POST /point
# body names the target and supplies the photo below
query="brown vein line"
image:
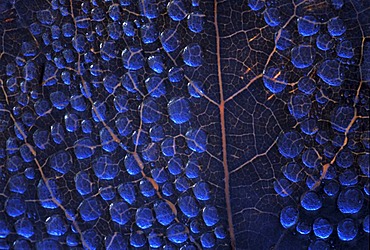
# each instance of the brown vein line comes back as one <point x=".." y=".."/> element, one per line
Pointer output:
<point x="223" y="130"/>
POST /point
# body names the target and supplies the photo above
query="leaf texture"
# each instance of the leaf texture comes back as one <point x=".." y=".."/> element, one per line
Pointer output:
<point x="184" y="124"/>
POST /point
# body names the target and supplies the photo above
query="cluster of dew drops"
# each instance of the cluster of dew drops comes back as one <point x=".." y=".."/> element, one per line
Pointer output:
<point x="108" y="139"/>
<point x="330" y="161"/>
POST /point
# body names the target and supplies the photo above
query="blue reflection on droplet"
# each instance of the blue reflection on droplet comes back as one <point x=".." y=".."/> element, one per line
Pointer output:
<point x="133" y="58"/>
<point x="177" y="233"/>
<point x="336" y="26"/>
<point x="272" y="16"/>
<point x="289" y="216"/>
<point x="189" y="206"/>
<point x="163" y="213"/>
<point x="193" y="55"/>
<point x="273" y="80"/>
<point x="179" y="110"/>
<point x="350" y="201"/>
<point x="155" y="86"/>
<point x="127" y="192"/>
<point x="290" y="144"/>
<point x="84" y="148"/>
<point x="197" y="140"/>
<point x="283" y="187"/>
<point x="311" y="201"/>
<point x="196" y="21"/>
<point x="347" y="229"/>
<point x="120" y="212"/>
<point x="322" y="228"/>
<point x="293" y="172"/>
<point x="170" y="40"/>
<point x="24" y="227"/>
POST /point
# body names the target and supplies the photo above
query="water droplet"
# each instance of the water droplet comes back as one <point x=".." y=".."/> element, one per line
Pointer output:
<point x="179" y="110"/>
<point x="350" y="201"/>
<point x="322" y="228"/>
<point x="14" y="163"/>
<point x="61" y="162"/>
<point x="336" y="26"/>
<point x="86" y="126"/>
<point x="148" y="8"/>
<point x="177" y="233"/>
<point x="109" y="144"/>
<point x="311" y="158"/>
<point x="156" y="63"/>
<point x="273" y="80"/>
<point x="272" y="17"/>
<point x="144" y="218"/>
<point x="133" y="58"/>
<point x="331" y="188"/>
<point x="307" y="26"/>
<point x="105" y="169"/>
<point x="210" y="216"/>
<point x="156" y="133"/>
<point x="170" y="40"/>
<point x="15" y="206"/>
<point x="146" y="188"/>
<point x="290" y="144"/>
<point x="151" y="152"/>
<point x="155" y="239"/>
<point x="149" y="33"/>
<point x="128" y="28"/>
<point x="293" y="172"/>
<point x="24" y="227"/>
<point x="363" y="162"/>
<point x="196" y="21"/>
<point x="289" y="216"/>
<point x="164" y="213"/>
<point x="348" y="178"/>
<point x="114" y="30"/>
<point x="342" y="118"/>
<point x="311" y="201"/>
<point x="283" y="187"/>
<point x="303" y="228"/>
<point x="182" y="184"/>
<point x="303" y="56"/>
<point x="55" y="225"/>
<point x="177" y="10"/>
<point x="79" y="43"/>
<point x="347" y="229"/>
<point x="49" y="195"/>
<point x="18" y="184"/>
<point x="197" y="140"/>
<point x="195" y="89"/>
<point x="366" y="224"/>
<point x="84" y="148"/>
<point x="189" y="206"/>
<point x="193" y="55"/>
<point x="90" y="209"/>
<point x="45" y="17"/>
<point x="155" y="86"/>
<point x="207" y="240"/>
<point x="202" y="191"/>
<point x="91" y="238"/>
<point x="127" y="192"/>
<point x="330" y="72"/>
<point x="299" y="105"/>
<point x="71" y="122"/>
<point x="309" y="126"/>
<point x="137" y="239"/>
<point x="26" y="152"/>
<point x="345" y="49"/>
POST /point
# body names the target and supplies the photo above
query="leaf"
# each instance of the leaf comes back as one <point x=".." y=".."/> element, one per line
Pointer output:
<point x="211" y="124"/>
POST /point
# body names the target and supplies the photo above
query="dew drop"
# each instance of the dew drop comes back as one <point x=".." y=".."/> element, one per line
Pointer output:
<point x="289" y="216"/>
